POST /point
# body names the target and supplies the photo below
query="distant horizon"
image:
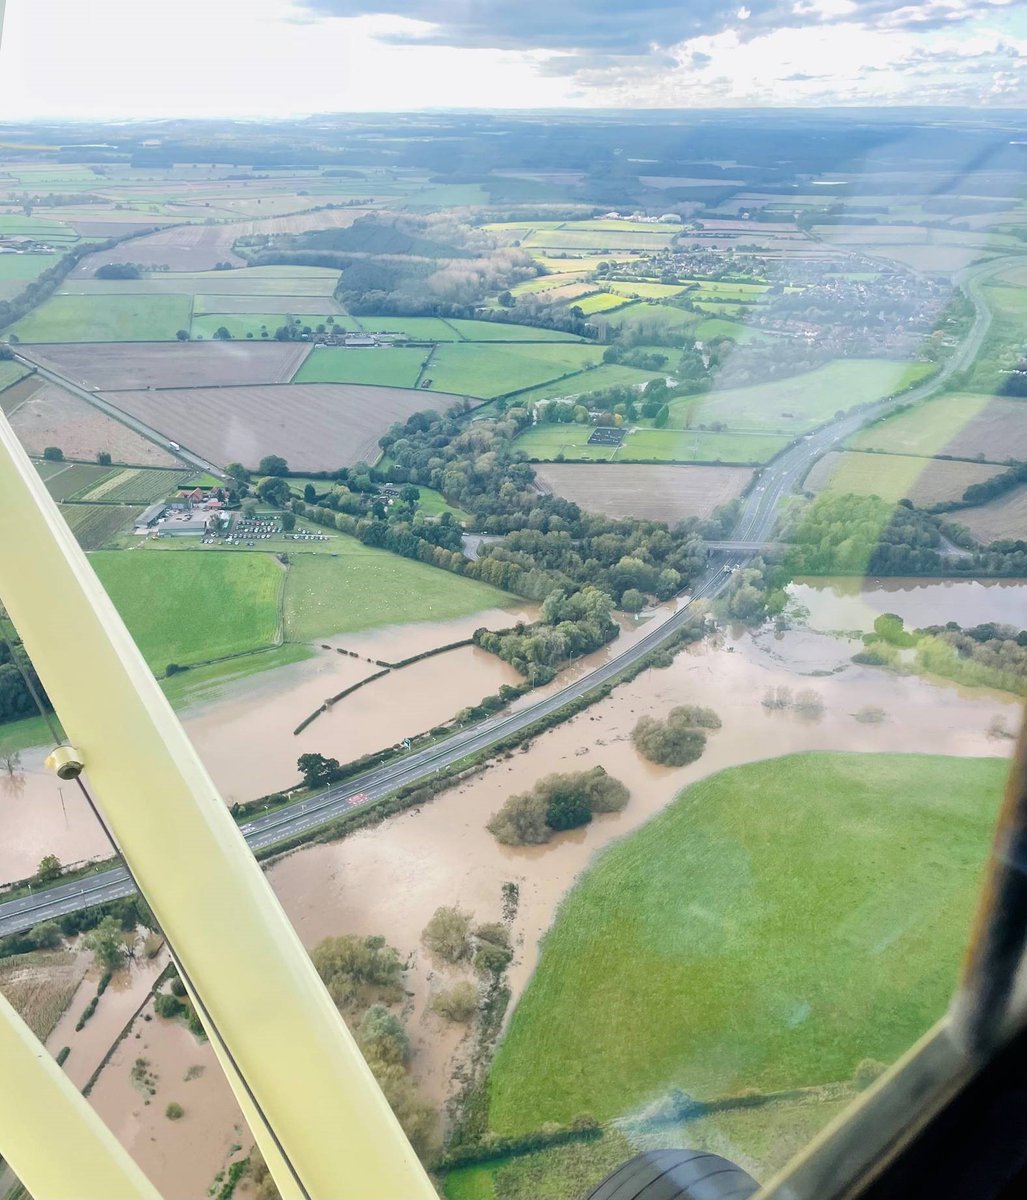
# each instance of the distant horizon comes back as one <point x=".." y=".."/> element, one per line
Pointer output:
<point x="115" y="60"/>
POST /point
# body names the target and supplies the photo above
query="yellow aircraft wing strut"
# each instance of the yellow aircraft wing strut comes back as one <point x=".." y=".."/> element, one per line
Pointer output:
<point x="314" y="1107"/>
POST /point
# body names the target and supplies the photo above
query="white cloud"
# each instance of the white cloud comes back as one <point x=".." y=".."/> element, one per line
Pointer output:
<point x="207" y="58"/>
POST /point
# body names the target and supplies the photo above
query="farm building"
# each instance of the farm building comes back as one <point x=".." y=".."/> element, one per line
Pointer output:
<point x="171" y="520"/>
<point x="149" y="517"/>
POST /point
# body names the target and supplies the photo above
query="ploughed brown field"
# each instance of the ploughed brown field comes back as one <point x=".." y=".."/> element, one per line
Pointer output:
<point x="118" y="366"/>
<point x="201" y="247"/>
<point x="182" y="248"/>
<point x="314" y="426"/>
<point x="50" y="416"/>
<point x="1002" y="518"/>
<point x="999" y="432"/>
<point x="654" y="493"/>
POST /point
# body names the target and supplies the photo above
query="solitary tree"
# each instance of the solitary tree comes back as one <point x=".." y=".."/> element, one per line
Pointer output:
<point x="182" y="335"/>
<point x="288" y="521"/>
<point x="316" y="769"/>
<point x="104" y="458"/>
<point x="53" y="454"/>
<point x="309" y="493"/>
<point x="49" y="869"/>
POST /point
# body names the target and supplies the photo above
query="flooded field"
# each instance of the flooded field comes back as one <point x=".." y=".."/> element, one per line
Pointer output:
<point x="390" y="879"/>
<point x="40" y="815"/>
<point x="181" y="1156"/>
<point x="123" y="996"/>
<point x="245" y="734"/>
<point x="853" y="604"/>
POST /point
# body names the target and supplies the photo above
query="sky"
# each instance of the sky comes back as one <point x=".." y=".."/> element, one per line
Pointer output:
<point x="239" y="58"/>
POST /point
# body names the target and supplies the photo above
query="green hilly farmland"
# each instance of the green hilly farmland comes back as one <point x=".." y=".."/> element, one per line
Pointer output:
<point x="775" y="925"/>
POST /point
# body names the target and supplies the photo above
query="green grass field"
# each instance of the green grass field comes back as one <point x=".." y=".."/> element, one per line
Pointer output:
<point x="645" y="291"/>
<point x="364" y="588"/>
<point x="420" y="329"/>
<point x="245" y="281"/>
<point x="895" y="477"/>
<point x="106" y="319"/>
<point x="925" y="430"/>
<point x="487" y="370"/>
<point x="192" y="607"/>
<point x="11" y="372"/>
<point x="545" y="442"/>
<point x="503" y="331"/>
<point x="715" y="327"/>
<point x="775" y="925"/>
<point x="434" y="504"/>
<point x="396" y="366"/>
<point x="800" y="401"/>
<point x="655" y="316"/>
<point x="239" y="325"/>
<point x="597" y="303"/>
<point x="604" y="376"/>
<point x="18" y="270"/>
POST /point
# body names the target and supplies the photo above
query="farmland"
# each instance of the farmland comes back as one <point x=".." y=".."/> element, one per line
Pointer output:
<point x="599" y="302"/>
<point x="845" y="947"/>
<point x="801" y="401"/>
<point x="10" y="372"/>
<point x="64" y="481"/>
<point x="488" y="370"/>
<point x="364" y="588"/>
<point x="604" y="376"/>
<point x="262" y="324"/>
<point x="50" y="416"/>
<point x="251" y="281"/>
<point x="175" y="364"/>
<point x="895" y="477"/>
<point x="135" y="486"/>
<point x="105" y="319"/>
<point x="191" y="607"/>
<point x="503" y="331"/>
<point x="545" y="442"/>
<point x="393" y="367"/>
<point x="653" y="493"/>
<point x="1004" y="517"/>
<point x="600" y="240"/>
<point x="960" y="424"/>
<point x="17" y="270"/>
<point x="182" y="248"/>
<point x="654" y="316"/>
<point x="314" y="426"/>
<point x="40" y="985"/>
<point x="94" y="525"/>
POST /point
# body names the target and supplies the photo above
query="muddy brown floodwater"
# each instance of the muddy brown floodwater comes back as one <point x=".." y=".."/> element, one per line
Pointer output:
<point x="245" y="733"/>
<point x="389" y="879"/>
